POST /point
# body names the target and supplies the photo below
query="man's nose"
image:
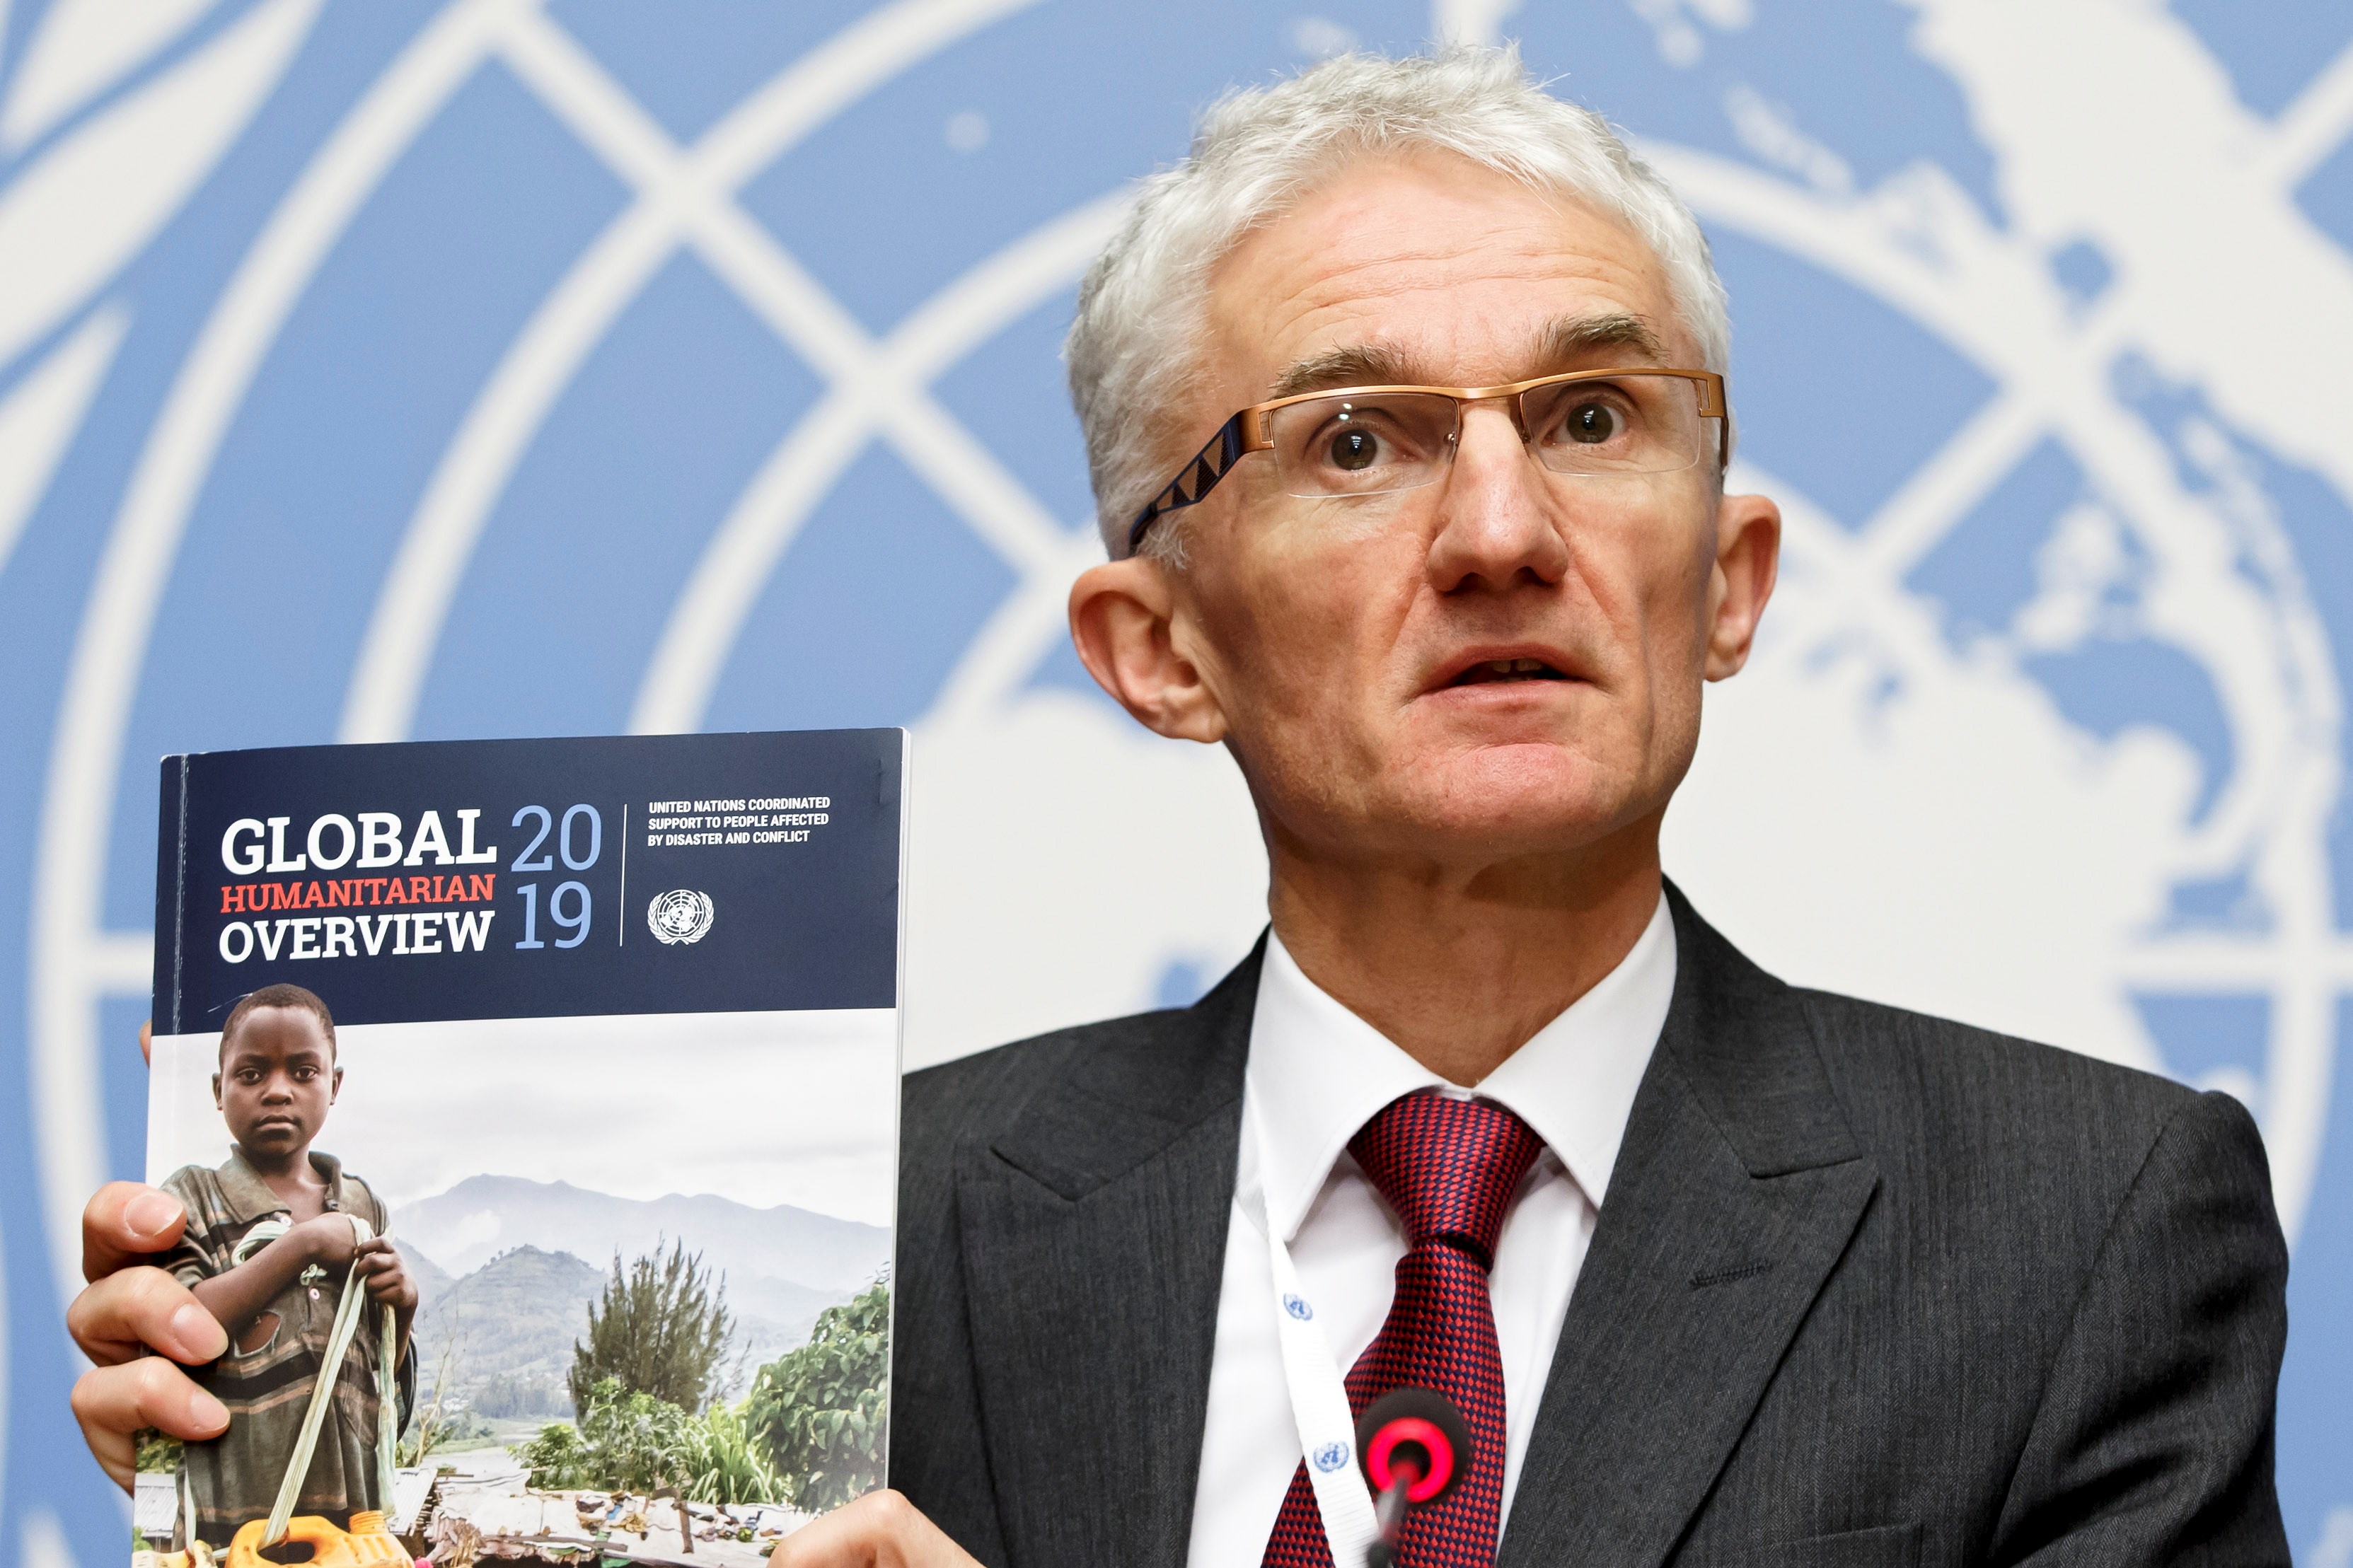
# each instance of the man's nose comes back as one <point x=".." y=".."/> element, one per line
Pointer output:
<point x="1495" y="526"/>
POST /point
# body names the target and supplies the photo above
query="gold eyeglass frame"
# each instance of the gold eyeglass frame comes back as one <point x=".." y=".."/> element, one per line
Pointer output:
<point x="1247" y="432"/>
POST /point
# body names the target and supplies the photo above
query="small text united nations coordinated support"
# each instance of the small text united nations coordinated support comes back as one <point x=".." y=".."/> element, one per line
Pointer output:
<point x="746" y="820"/>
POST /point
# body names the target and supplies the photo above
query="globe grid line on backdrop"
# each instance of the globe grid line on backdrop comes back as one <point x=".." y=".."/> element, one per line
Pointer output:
<point x="203" y="104"/>
<point x="757" y="531"/>
<point x="682" y="199"/>
<point x="2309" y="129"/>
<point x="42" y="410"/>
<point x="63" y="72"/>
<point x="1915" y="240"/>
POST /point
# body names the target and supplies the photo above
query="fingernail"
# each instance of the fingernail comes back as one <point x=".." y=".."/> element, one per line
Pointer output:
<point x="198" y="1333"/>
<point x="149" y="1213"/>
<point x="205" y="1413"/>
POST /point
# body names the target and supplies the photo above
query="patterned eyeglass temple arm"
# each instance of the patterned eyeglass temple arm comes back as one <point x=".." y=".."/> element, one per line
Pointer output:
<point x="1198" y="478"/>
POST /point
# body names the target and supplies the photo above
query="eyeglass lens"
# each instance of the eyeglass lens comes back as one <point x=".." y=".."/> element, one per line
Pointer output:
<point x="1370" y="444"/>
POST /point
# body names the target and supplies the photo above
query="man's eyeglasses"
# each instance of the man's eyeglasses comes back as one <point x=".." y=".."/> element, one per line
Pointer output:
<point x="1373" y="440"/>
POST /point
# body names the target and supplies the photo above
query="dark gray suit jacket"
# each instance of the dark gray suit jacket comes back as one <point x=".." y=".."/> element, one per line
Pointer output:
<point x="1869" y="1289"/>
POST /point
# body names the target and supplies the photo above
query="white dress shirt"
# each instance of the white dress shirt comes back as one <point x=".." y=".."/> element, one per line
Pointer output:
<point x="1317" y="1073"/>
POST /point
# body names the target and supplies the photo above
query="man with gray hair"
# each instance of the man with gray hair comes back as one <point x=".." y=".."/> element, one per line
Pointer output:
<point x="1404" y="398"/>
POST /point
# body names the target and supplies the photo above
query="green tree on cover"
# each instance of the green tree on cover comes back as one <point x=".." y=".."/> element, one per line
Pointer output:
<point x="822" y="1410"/>
<point x="660" y="1328"/>
<point x="624" y="1440"/>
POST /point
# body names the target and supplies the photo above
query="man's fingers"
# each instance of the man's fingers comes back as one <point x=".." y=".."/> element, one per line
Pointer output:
<point x="126" y="1222"/>
<point x="881" y="1530"/>
<point x="114" y="1403"/>
<point x="137" y="1309"/>
<point x="117" y="1453"/>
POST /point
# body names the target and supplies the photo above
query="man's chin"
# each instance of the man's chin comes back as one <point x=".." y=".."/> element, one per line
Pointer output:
<point x="1526" y="799"/>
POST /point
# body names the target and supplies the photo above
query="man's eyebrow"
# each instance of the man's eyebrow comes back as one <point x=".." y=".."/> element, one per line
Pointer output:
<point x="1565" y="343"/>
<point x="1574" y="338"/>
<point x="1359" y="364"/>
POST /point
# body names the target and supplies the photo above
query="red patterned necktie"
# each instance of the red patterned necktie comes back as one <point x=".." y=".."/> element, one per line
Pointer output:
<point x="1449" y="1168"/>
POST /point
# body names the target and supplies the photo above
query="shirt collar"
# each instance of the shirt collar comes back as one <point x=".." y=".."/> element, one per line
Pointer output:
<point x="1318" y="1073"/>
<point x="249" y="1197"/>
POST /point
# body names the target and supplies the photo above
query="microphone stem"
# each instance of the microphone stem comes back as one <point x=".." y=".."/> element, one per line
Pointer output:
<point x="1388" y="1518"/>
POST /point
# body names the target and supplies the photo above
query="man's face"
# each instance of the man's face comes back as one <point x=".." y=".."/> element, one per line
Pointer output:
<point x="278" y="1077"/>
<point x="1352" y="645"/>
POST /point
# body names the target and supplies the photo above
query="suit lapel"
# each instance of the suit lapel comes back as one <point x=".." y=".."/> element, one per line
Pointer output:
<point x="1093" y="1237"/>
<point x="1736" y="1190"/>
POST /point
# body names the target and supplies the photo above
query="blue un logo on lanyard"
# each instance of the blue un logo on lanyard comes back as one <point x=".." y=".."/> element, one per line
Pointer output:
<point x="1298" y="1308"/>
<point x="1331" y="1457"/>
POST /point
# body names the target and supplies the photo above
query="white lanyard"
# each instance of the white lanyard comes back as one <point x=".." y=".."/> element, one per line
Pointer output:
<point x="1319" y="1400"/>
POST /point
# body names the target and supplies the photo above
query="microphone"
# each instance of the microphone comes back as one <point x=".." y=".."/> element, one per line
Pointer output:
<point x="1414" y="1447"/>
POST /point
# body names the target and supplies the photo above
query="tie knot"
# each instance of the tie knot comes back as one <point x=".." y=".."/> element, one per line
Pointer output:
<point x="1449" y="1167"/>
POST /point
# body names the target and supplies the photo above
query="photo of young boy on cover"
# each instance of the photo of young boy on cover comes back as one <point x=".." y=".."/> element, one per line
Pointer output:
<point x="269" y="1248"/>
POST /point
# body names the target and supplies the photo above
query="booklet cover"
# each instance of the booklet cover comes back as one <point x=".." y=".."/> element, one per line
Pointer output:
<point x="535" y="1105"/>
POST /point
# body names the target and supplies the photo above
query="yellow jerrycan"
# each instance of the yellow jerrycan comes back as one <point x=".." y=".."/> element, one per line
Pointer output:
<point x="367" y="1545"/>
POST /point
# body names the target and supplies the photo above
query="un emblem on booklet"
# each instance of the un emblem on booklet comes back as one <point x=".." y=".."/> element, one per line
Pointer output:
<point x="680" y="917"/>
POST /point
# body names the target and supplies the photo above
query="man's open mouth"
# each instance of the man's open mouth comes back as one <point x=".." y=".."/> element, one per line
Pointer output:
<point x="1496" y="669"/>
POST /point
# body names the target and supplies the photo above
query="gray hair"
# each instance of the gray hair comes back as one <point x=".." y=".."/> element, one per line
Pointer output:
<point x="1258" y="152"/>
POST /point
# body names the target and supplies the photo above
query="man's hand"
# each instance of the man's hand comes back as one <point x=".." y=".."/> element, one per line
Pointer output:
<point x="128" y="1308"/>
<point x="127" y="1223"/>
<point x="881" y="1530"/>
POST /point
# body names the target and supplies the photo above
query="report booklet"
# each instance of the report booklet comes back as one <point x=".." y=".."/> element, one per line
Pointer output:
<point x="534" y="1104"/>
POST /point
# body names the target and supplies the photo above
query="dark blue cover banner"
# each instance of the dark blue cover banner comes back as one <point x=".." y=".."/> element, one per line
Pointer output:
<point x="534" y="878"/>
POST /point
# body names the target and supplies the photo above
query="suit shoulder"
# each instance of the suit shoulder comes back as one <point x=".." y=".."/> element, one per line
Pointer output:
<point x="1874" y="1039"/>
<point x="2023" y="1156"/>
<point x="1898" y="1071"/>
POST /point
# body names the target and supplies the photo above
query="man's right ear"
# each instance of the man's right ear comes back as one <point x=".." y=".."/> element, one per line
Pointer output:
<point x="1123" y="618"/>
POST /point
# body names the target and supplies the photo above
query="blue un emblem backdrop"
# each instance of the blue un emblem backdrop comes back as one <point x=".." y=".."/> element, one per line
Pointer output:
<point x="399" y="369"/>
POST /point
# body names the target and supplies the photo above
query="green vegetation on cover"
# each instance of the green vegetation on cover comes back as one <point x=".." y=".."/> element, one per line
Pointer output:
<point x="822" y="1409"/>
<point x="809" y="1433"/>
<point x="660" y="1328"/>
<point x="626" y="1441"/>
